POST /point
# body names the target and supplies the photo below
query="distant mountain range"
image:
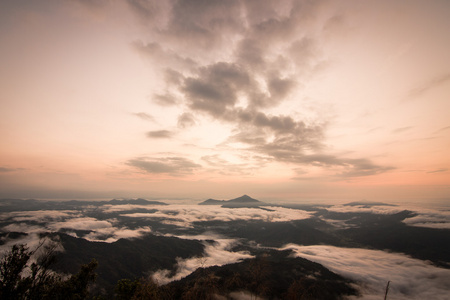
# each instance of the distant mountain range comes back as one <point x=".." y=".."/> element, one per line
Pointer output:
<point x="32" y="204"/>
<point x="243" y="201"/>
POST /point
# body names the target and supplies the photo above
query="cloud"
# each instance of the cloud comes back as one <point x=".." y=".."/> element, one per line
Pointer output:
<point x="215" y="254"/>
<point x="361" y="167"/>
<point x="240" y="61"/>
<point x="23" y="227"/>
<point x="160" y="134"/>
<point x="150" y="12"/>
<point x="168" y="58"/>
<point x="39" y="215"/>
<point x="99" y="230"/>
<point x="166" y="99"/>
<point x="186" y="120"/>
<point x="108" y="208"/>
<point x="438" y="170"/>
<point x="84" y="223"/>
<point x="32" y="240"/>
<point x="429" y="85"/>
<point x="165" y="165"/>
<point x="217" y="164"/>
<point x="410" y="278"/>
<point x="145" y="116"/>
<point x="6" y="169"/>
<point x="420" y="217"/>
<point x="402" y="129"/>
<point x="112" y="234"/>
<point x="372" y="209"/>
<point x="215" y="88"/>
<point x="443" y="129"/>
<point x="430" y="219"/>
<point x="186" y="215"/>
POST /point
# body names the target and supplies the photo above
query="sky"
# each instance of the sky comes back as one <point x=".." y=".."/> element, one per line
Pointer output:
<point x="281" y="100"/>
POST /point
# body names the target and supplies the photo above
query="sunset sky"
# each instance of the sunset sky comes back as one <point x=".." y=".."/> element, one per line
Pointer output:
<point x="283" y="100"/>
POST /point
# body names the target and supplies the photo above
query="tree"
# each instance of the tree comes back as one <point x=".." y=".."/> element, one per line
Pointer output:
<point x="20" y="279"/>
<point x="126" y="288"/>
<point x="12" y="286"/>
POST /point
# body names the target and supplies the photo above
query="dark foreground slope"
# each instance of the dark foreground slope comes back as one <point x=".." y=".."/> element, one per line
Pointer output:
<point x="272" y="275"/>
<point x="125" y="258"/>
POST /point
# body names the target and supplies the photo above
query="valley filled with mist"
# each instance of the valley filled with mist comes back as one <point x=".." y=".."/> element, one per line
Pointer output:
<point x="243" y="248"/>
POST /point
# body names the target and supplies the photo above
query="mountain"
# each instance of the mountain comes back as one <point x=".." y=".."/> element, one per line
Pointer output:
<point x="138" y="201"/>
<point x="125" y="258"/>
<point x="212" y="202"/>
<point x="243" y="201"/>
<point x="272" y="274"/>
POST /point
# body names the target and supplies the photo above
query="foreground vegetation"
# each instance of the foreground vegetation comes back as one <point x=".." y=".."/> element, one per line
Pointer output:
<point x="20" y="279"/>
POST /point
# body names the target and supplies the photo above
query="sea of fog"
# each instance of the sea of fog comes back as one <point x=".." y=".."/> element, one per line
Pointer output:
<point x="412" y="278"/>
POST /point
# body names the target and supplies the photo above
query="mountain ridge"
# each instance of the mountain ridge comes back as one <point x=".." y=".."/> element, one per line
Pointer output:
<point x="242" y="201"/>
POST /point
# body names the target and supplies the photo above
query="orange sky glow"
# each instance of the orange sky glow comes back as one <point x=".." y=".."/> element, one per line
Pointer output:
<point x="282" y="100"/>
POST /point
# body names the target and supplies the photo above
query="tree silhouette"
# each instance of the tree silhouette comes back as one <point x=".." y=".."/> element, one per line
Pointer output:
<point x="20" y="279"/>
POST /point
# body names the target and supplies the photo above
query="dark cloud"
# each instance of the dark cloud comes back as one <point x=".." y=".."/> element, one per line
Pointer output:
<point x="160" y="134"/>
<point x="250" y="52"/>
<point x="186" y="120"/>
<point x="216" y="87"/>
<point x="168" y="58"/>
<point x="94" y="3"/>
<point x="207" y="23"/>
<point x="165" y="165"/>
<point x="165" y="99"/>
<point x="335" y="24"/>
<point x="303" y="52"/>
<point x="173" y="77"/>
<point x="151" y="12"/>
<point x="280" y="88"/>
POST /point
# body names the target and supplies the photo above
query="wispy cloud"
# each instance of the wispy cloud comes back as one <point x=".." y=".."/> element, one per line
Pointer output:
<point x="429" y="85"/>
<point x="186" y="215"/>
<point x="6" y="169"/>
<point x="402" y="129"/>
<point x="438" y="170"/>
<point x="144" y="116"/>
